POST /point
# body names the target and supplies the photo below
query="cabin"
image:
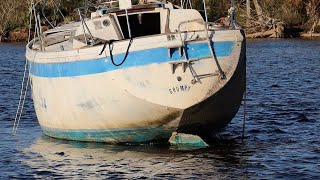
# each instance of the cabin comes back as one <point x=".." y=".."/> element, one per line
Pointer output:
<point x="117" y="24"/>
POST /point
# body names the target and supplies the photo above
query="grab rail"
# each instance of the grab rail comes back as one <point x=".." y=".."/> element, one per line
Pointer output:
<point x="211" y="48"/>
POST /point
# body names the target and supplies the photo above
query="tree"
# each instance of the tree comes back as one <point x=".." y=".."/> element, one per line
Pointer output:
<point x="313" y="12"/>
<point x="8" y="14"/>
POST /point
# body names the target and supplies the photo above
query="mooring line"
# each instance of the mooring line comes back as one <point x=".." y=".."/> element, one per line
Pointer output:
<point x="244" y="113"/>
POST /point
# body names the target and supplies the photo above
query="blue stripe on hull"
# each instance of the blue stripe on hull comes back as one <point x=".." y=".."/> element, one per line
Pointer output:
<point x="137" y="58"/>
<point x="132" y="135"/>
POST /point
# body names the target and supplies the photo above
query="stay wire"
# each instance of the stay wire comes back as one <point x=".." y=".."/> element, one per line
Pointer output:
<point x="43" y="13"/>
<point x="23" y="87"/>
<point x="23" y="101"/>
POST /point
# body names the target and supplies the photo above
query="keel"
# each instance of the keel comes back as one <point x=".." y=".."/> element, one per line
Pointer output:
<point x="187" y="141"/>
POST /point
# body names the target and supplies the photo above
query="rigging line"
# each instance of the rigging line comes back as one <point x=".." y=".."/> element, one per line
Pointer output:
<point x="37" y="31"/>
<point x="95" y="5"/>
<point x="36" y="22"/>
<point x="85" y="7"/>
<point x="55" y="4"/>
<point x="23" y="101"/>
<point x="190" y="4"/>
<point x="185" y="3"/>
<point x="205" y="10"/>
<point x="18" y="113"/>
<point x="40" y="33"/>
<point x="84" y="27"/>
<point x="92" y="39"/>
<point x="182" y="3"/>
<point x="20" y="106"/>
<point x="84" y="31"/>
<point x="43" y="14"/>
<point x="30" y="22"/>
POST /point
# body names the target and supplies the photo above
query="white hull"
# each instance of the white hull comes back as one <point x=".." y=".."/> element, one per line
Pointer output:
<point x="137" y="103"/>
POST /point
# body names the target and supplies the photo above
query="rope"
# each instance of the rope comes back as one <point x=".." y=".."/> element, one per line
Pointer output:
<point x="105" y="45"/>
<point x="125" y="57"/>
<point x="110" y="43"/>
<point x="244" y="113"/>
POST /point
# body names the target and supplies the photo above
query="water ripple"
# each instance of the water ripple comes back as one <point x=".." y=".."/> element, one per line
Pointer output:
<point x="282" y="130"/>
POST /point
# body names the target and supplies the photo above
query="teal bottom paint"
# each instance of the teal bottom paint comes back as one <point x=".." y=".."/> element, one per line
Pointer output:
<point x="187" y="141"/>
<point x="129" y="135"/>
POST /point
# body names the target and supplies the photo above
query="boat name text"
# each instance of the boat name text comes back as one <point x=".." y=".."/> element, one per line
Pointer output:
<point x="179" y="89"/>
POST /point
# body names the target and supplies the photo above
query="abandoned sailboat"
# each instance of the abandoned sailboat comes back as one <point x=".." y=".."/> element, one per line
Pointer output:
<point x="137" y="74"/>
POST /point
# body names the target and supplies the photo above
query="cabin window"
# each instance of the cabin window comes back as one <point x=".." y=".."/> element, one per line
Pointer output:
<point x="140" y="24"/>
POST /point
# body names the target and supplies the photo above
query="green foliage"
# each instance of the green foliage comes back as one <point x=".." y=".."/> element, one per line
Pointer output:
<point x="292" y="12"/>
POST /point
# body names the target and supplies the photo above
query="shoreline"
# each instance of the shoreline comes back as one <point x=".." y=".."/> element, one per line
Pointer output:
<point x="310" y="35"/>
<point x="22" y="36"/>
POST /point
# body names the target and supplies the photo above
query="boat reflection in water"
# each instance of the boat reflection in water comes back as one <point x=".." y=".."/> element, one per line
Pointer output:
<point x="50" y="157"/>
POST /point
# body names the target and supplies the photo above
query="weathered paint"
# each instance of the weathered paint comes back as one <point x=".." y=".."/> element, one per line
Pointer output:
<point x="185" y="140"/>
<point x="134" y="59"/>
<point x="220" y="107"/>
<point x="137" y="135"/>
<point x="137" y="97"/>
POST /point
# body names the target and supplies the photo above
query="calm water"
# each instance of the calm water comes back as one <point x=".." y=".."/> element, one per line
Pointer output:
<point x="283" y="128"/>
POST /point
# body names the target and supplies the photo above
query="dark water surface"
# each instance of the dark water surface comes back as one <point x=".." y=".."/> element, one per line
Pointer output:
<point x="283" y="128"/>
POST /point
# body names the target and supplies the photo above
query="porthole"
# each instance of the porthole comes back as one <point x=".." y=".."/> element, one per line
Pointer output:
<point x="106" y="22"/>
